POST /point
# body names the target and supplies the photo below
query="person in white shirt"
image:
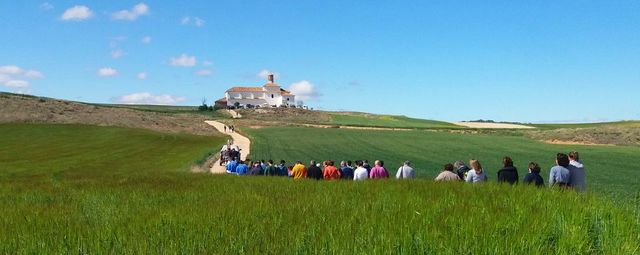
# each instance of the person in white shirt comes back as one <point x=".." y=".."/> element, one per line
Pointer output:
<point x="361" y="173"/>
<point x="578" y="180"/>
<point x="476" y="174"/>
<point x="405" y="171"/>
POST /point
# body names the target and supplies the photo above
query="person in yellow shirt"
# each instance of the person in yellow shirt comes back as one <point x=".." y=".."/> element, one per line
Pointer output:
<point x="299" y="171"/>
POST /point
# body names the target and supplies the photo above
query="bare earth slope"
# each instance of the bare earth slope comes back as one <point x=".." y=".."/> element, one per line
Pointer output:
<point x="28" y="109"/>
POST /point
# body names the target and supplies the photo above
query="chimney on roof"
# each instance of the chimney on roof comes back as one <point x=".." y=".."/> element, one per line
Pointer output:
<point x="271" y="78"/>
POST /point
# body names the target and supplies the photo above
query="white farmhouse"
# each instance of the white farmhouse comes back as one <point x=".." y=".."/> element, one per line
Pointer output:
<point x="269" y="95"/>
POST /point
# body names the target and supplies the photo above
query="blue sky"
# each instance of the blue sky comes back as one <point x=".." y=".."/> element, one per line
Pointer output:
<point x="530" y="61"/>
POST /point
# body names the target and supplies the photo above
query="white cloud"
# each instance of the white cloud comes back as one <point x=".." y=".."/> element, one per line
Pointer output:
<point x="196" y="21"/>
<point x="146" y="39"/>
<point x="107" y="72"/>
<point x="133" y="14"/>
<point x="304" y="90"/>
<point x="33" y="74"/>
<point x="185" y="20"/>
<point x="10" y="69"/>
<point x="17" y="84"/>
<point x="148" y="98"/>
<point x="183" y="60"/>
<point x="4" y="78"/>
<point x="141" y="75"/>
<point x="264" y="74"/>
<point x="46" y="6"/>
<point x="117" y="53"/>
<point x="203" y="72"/>
<point x="77" y="13"/>
<point x="207" y="63"/>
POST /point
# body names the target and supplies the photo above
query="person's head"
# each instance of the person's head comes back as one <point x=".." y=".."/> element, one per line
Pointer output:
<point x="359" y="163"/>
<point x="534" y="167"/>
<point x="365" y="162"/>
<point x="407" y="163"/>
<point x="262" y="161"/>
<point x="379" y="163"/>
<point x="475" y="164"/>
<point x="270" y="162"/>
<point x="312" y="163"/>
<point x="329" y="163"/>
<point x="282" y="162"/>
<point x="458" y="164"/>
<point x="349" y="163"/>
<point x="562" y="159"/>
<point x="298" y="162"/>
<point x="507" y="161"/>
<point x="343" y="164"/>
<point x="448" y="167"/>
<point x="318" y="165"/>
<point x="574" y="155"/>
<point x="235" y="159"/>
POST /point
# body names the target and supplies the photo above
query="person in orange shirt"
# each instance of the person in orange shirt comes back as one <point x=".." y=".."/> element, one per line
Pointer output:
<point x="331" y="172"/>
<point x="299" y="171"/>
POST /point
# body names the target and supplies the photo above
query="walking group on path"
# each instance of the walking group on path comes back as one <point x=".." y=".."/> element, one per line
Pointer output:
<point x="567" y="173"/>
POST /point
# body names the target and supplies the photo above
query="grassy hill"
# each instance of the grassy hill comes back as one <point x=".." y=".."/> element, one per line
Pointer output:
<point x="391" y="121"/>
<point x="88" y="189"/>
<point x="609" y="168"/>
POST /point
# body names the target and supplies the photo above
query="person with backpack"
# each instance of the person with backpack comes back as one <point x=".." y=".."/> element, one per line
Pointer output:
<point x="405" y="171"/>
<point x="314" y="171"/>
<point x="447" y="174"/>
<point x="578" y="180"/>
<point x="347" y="171"/>
<point x="231" y="166"/>
<point x="461" y="169"/>
<point x="330" y="171"/>
<point x="508" y="173"/>
<point x="378" y="171"/>
<point x="270" y="169"/>
<point x="476" y="174"/>
<point x="242" y="168"/>
<point x="533" y="177"/>
<point x="559" y="175"/>
<point x="255" y="169"/>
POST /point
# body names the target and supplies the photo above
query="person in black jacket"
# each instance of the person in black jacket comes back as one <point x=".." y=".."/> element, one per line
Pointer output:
<point x="313" y="171"/>
<point x="461" y="169"/>
<point x="508" y="173"/>
<point x="533" y="177"/>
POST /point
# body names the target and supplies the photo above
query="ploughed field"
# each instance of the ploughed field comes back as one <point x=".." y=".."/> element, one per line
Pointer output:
<point x="611" y="170"/>
<point x="88" y="189"/>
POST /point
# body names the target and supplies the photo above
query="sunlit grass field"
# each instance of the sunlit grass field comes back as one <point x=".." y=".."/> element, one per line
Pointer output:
<point x="611" y="170"/>
<point x="87" y="189"/>
<point x="389" y="121"/>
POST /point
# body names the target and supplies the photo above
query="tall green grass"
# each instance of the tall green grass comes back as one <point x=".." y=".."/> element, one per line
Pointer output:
<point x="86" y="189"/>
<point x="611" y="170"/>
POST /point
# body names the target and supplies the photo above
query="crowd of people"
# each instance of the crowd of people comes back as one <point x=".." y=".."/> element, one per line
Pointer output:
<point x="567" y="173"/>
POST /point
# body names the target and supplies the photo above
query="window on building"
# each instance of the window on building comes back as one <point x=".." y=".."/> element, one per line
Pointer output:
<point x="288" y="99"/>
<point x="271" y="95"/>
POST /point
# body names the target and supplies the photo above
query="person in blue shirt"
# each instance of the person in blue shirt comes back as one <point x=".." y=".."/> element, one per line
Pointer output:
<point x="231" y="166"/>
<point x="282" y="169"/>
<point x="347" y="171"/>
<point x="242" y="168"/>
<point x="559" y="175"/>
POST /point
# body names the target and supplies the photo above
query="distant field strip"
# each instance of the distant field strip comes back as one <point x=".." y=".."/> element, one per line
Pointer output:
<point x="610" y="168"/>
<point x="389" y="121"/>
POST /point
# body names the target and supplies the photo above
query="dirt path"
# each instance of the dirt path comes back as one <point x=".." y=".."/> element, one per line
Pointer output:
<point x="234" y="114"/>
<point x="241" y="141"/>
<point x="491" y="125"/>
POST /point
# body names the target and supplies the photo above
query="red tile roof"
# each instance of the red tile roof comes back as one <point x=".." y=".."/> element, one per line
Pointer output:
<point x="246" y="89"/>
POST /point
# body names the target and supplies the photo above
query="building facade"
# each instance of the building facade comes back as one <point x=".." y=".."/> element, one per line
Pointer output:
<point x="269" y="95"/>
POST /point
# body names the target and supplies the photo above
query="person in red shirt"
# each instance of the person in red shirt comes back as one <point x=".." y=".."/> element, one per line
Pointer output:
<point x="331" y="172"/>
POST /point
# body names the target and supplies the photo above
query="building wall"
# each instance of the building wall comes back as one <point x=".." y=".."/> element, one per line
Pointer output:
<point x="259" y="98"/>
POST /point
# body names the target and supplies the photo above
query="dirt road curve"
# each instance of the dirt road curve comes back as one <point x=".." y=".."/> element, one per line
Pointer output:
<point x="491" y="125"/>
<point x="241" y="141"/>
